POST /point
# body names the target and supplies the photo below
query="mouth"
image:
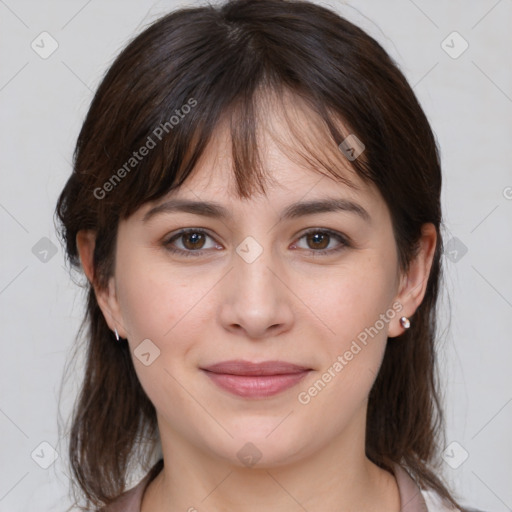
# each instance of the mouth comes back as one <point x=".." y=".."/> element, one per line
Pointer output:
<point x="255" y="380"/>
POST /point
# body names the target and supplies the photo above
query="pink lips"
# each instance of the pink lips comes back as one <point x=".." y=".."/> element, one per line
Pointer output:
<point x="255" y="380"/>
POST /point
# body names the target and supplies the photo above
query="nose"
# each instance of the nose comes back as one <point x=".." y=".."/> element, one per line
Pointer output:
<point x="257" y="299"/>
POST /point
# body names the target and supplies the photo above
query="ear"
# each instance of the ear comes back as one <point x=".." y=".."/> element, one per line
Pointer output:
<point x="106" y="297"/>
<point x="413" y="284"/>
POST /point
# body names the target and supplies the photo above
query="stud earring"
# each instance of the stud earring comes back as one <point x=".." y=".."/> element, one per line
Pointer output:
<point x="405" y="322"/>
<point x="116" y="333"/>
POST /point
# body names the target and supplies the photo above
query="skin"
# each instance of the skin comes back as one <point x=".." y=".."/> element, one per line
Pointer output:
<point x="286" y="305"/>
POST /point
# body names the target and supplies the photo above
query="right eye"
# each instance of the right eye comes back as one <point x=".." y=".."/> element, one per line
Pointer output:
<point x="192" y="240"/>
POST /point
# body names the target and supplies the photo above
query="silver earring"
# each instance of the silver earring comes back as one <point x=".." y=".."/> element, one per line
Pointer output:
<point x="405" y="322"/>
<point x="116" y="333"/>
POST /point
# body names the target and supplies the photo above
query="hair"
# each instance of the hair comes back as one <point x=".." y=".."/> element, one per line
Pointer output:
<point x="168" y="91"/>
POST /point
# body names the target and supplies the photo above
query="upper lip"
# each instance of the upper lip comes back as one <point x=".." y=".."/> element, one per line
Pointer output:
<point x="241" y="367"/>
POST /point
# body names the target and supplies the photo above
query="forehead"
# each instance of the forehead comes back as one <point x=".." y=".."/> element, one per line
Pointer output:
<point x="214" y="175"/>
<point x="293" y="147"/>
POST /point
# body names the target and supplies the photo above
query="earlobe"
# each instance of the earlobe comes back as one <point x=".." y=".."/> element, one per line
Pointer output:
<point x="413" y="285"/>
<point x="106" y="297"/>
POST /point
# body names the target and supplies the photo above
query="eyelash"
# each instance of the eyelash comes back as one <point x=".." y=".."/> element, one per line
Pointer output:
<point x="190" y="253"/>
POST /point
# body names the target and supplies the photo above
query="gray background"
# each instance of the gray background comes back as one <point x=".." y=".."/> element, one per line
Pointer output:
<point x="468" y="100"/>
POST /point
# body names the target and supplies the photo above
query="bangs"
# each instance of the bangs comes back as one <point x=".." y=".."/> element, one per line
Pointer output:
<point x="306" y="132"/>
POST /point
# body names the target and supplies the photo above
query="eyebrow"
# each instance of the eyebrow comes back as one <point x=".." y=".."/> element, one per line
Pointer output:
<point x="293" y="211"/>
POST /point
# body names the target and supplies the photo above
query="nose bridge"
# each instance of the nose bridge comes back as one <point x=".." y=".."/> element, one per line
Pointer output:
<point x="256" y="299"/>
<point x="253" y="276"/>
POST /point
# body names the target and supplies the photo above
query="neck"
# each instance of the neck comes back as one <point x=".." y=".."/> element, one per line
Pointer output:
<point x="337" y="477"/>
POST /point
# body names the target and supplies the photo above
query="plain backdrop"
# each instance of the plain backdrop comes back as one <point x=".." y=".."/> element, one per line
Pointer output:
<point x="464" y="83"/>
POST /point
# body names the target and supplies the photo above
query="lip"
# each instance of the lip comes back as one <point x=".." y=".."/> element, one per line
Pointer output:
<point x="255" y="380"/>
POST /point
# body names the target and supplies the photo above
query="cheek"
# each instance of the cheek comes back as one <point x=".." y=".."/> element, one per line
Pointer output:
<point x="353" y="299"/>
<point x="147" y="304"/>
<point x="166" y="307"/>
<point x="353" y="343"/>
<point x="355" y="312"/>
<point x="161" y="303"/>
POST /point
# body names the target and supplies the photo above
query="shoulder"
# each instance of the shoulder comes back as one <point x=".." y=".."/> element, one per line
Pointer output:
<point x="129" y="501"/>
<point x="436" y="504"/>
<point x="416" y="499"/>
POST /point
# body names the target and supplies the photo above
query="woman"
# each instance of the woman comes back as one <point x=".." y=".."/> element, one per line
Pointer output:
<point x="255" y="202"/>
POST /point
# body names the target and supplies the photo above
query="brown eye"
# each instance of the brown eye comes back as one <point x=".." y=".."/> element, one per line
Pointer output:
<point x="193" y="240"/>
<point x="189" y="242"/>
<point x="317" y="241"/>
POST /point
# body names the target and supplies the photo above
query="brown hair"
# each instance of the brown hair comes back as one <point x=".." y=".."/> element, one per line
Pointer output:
<point x="214" y="60"/>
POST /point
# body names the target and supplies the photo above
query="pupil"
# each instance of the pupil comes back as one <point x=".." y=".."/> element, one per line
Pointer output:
<point x="319" y="237"/>
<point x="195" y="237"/>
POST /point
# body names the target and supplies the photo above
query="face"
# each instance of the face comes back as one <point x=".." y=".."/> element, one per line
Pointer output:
<point x="320" y="290"/>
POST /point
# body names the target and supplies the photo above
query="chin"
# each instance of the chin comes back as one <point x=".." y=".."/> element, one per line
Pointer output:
<point x="260" y="450"/>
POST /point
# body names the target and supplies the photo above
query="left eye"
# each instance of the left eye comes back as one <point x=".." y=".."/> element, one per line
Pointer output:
<point x="321" y="240"/>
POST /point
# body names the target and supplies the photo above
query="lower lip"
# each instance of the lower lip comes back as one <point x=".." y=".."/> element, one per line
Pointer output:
<point x="252" y="386"/>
